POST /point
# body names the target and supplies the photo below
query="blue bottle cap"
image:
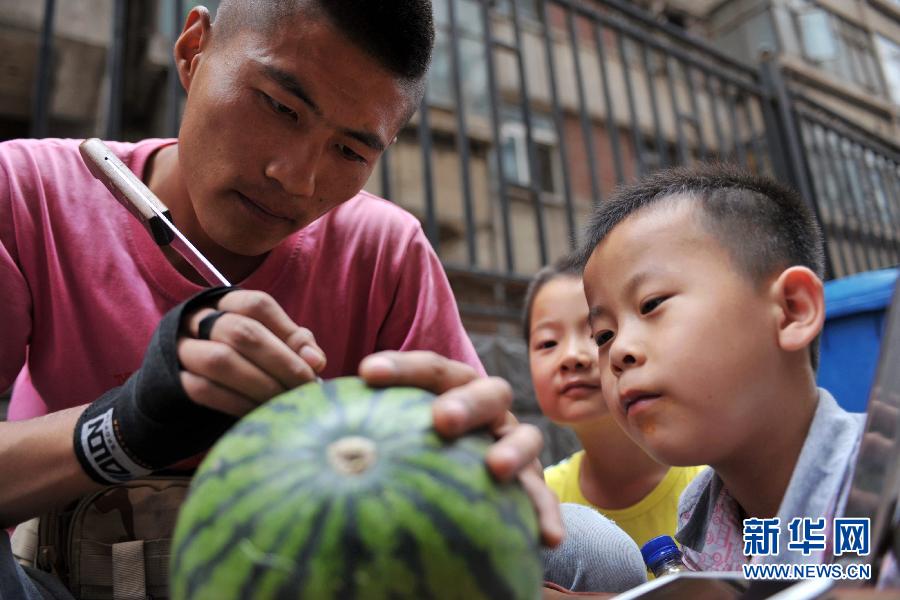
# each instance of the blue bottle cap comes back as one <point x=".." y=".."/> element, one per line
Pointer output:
<point x="659" y="549"/>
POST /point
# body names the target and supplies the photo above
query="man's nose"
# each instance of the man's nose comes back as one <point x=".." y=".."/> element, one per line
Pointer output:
<point x="295" y="169"/>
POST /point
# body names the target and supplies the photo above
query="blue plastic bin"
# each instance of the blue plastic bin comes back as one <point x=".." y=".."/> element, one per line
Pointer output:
<point x="855" y="310"/>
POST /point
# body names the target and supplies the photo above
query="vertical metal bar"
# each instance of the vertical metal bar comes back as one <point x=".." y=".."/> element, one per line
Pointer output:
<point x="611" y="125"/>
<point x="771" y="80"/>
<point x="819" y="140"/>
<point x="884" y="210"/>
<point x="385" y="172"/>
<point x="587" y="130"/>
<point x="892" y="180"/>
<point x="737" y="143"/>
<point x="534" y="179"/>
<point x="816" y="160"/>
<point x="774" y="138"/>
<point x="661" y="147"/>
<point x="560" y="128"/>
<point x="695" y="107"/>
<point x="115" y="68"/>
<point x="869" y="206"/>
<point x="632" y="109"/>
<point x="714" y="110"/>
<point x="891" y="200"/>
<point x="751" y="131"/>
<point x="175" y="90"/>
<point x="676" y="113"/>
<point x="431" y="226"/>
<point x="846" y="153"/>
<point x="42" y="87"/>
<point x="487" y="32"/>
<point x="462" y="136"/>
<point x="853" y="224"/>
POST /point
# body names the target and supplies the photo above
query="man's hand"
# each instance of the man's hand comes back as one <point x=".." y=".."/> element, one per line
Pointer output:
<point x="189" y="391"/>
<point x="467" y="402"/>
<point x="254" y="352"/>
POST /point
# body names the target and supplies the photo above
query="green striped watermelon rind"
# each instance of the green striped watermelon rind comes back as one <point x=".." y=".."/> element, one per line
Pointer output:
<point x="267" y="517"/>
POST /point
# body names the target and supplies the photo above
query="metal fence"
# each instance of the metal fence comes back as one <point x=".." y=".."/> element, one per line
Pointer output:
<point x="537" y="109"/>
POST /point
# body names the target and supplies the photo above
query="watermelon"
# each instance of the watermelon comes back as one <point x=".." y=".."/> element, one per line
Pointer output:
<point x="338" y="490"/>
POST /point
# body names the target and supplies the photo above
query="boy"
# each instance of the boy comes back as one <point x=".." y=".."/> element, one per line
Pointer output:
<point x="611" y="473"/>
<point x="705" y="304"/>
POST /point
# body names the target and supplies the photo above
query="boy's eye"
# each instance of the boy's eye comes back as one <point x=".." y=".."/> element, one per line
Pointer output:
<point x="546" y="344"/>
<point x="349" y="154"/>
<point x="603" y="337"/>
<point x="651" y="304"/>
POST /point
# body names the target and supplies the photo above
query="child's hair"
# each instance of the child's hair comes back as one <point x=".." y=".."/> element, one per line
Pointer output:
<point x="764" y="225"/>
<point x="565" y="266"/>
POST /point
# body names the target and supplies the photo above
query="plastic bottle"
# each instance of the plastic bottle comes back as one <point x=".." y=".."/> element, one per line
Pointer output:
<point x="662" y="556"/>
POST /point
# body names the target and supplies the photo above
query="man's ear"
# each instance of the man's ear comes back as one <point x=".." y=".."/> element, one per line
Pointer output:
<point x="194" y="39"/>
<point x="801" y="302"/>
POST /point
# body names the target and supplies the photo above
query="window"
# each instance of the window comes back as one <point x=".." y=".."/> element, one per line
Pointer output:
<point x="889" y="52"/>
<point x="837" y="46"/>
<point x="816" y="37"/>
<point x="527" y="9"/>
<point x="472" y="57"/>
<point x="514" y="153"/>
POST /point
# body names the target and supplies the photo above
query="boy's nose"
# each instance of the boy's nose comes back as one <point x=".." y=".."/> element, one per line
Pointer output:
<point x="625" y="353"/>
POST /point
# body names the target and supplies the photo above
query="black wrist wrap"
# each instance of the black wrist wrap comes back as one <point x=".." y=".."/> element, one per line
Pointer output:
<point x="149" y="422"/>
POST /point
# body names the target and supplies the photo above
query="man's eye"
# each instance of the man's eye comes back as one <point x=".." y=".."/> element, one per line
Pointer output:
<point x="349" y="154"/>
<point x="281" y="108"/>
<point x="603" y="337"/>
<point x="651" y="304"/>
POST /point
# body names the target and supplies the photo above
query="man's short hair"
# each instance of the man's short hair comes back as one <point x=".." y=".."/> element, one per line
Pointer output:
<point x="765" y="226"/>
<point x="399" y="35"/>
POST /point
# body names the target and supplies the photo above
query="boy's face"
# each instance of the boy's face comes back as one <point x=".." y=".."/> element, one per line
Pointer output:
<point x="686" y="342"/>
<point x="562" y="355"/>
<point x="281" y="127"/>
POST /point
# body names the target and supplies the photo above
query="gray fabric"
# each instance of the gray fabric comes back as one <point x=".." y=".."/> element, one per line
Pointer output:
<point x="14" y="583"/>
<point x="595" y="556"/>
<point x="817" y="487"/>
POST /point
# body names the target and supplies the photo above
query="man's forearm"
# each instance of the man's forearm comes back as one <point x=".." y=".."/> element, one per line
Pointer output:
<point x="38" y="467"/>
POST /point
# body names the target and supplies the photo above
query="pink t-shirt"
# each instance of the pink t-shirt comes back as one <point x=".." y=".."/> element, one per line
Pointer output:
<point x="83" y="285"/>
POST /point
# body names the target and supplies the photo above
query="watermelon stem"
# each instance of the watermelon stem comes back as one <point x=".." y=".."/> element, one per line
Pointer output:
<point x="352" y="455"/>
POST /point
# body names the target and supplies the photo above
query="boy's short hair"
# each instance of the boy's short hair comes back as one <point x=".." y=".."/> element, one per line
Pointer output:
<point x="565" y="266"/>
<point x="764" y="225"/>
<point x="399" y="35"/>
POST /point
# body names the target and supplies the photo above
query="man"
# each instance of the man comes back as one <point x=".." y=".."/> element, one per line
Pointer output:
<point x="289" y="105"/>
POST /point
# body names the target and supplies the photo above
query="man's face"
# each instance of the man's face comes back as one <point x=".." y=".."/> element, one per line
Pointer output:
<point x="687" y="345"/>
<point x="281" y="127"/>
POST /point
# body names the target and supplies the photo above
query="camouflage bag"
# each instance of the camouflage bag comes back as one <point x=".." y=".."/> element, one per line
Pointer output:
<point x="114" y="544"/>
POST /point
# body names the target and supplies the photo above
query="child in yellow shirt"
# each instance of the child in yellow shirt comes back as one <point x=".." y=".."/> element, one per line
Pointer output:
<point x="611" y="474"/>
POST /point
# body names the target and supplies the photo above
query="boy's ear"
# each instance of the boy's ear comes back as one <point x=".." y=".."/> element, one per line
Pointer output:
<point x="189" y="46"/>
<point x="801" y="302"/>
